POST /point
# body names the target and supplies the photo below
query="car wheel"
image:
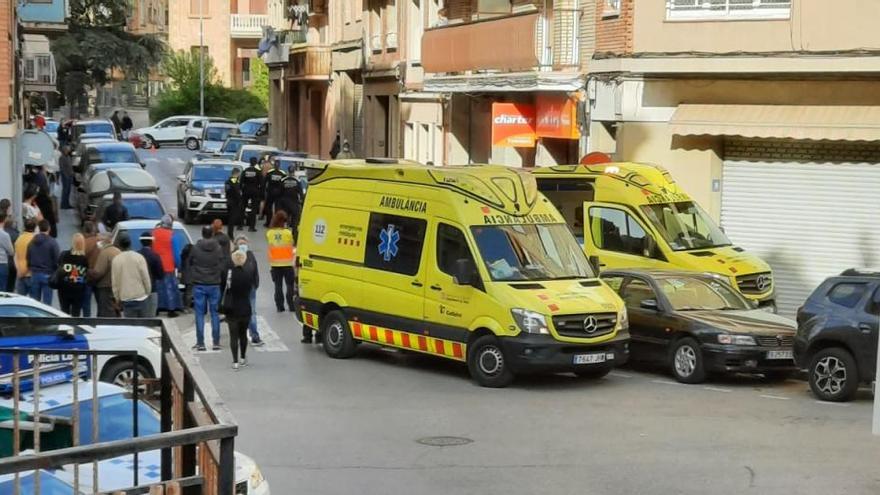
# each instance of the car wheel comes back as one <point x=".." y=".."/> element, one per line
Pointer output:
<point x="337" y="338"/>
<point x="121" y="373"/>
<point x="833" y="375"/>
<point x="487" y="364"/>
<point x="188" y="216"/>
<point x="593" y="372"/>
<point x="192" y="144"/>
<point x="686" y="361"/>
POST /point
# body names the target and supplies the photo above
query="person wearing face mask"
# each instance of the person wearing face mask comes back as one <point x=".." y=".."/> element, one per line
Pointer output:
<point x="253" y="272"/>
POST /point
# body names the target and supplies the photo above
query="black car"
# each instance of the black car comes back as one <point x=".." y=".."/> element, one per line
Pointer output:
<point x="836" y="341"/>
<point x="698" y="324"/>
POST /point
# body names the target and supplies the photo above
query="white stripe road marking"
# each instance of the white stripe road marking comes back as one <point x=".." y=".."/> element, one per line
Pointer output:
<point x="776" y="397"/>
<point x="838" y="404"/>
<point x="716" y="389"/>
<point x="267" y="335"/>
<point x="668" y="382"/>
<point x="620" y="375"/>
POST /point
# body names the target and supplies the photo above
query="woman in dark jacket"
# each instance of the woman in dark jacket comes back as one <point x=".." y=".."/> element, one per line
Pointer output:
<point x="73" y="266"/>
<point x="238" y="308"/>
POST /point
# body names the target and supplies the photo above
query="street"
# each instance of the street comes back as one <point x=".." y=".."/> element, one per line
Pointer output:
<point x="390" y="422"/>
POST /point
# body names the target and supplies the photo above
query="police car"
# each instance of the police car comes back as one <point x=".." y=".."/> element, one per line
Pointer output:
<point x="202" y="188"/>
<point x="115" y="422"/>
<point x="111" y="369"/>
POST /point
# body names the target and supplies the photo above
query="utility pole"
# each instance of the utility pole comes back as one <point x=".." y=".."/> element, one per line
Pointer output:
<point x="201" y="58"/>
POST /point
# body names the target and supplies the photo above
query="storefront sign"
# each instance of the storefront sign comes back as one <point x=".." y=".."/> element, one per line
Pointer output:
<point x="557" y="116"/>
<point x="513" y="125"/>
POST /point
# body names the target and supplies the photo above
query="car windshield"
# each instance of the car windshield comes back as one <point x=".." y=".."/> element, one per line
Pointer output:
<point x="213" y="173"/>
<point x="51" y="126"/>
<point x="217" y="133"/>
<point x="143" y="208"/>
<point x="247" y="154"/>
<point x="531" y="252"/>
<point x="233" y="145"/>
<point x="115" y="419"/>
<point x="693" y="294"/>
<point x="180" y="238"/>
<point x="685" y="226"/>
<point x="97" y="127"/>
<point x="98" y="155"/>
<point x="249" y="127"/>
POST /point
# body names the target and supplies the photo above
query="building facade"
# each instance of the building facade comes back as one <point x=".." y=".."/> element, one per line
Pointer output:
<point x="231" y="31"/>
<point x="767" y="112"/>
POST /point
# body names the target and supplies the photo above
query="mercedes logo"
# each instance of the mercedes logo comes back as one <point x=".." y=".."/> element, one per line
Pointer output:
<point x="590" y="324"/>
<point x="762" y="282"/>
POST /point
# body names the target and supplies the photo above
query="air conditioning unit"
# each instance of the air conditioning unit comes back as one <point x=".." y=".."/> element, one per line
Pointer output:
<point x="376" y="43"/>
<point x="391" y="41"/>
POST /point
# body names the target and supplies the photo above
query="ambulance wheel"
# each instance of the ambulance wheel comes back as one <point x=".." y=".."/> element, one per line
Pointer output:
<point x="120" y="373"/>
<point x="337" y="339"/>
<point x="487" y="363"/>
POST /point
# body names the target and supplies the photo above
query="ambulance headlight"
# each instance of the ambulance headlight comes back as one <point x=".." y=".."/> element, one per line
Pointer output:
<point x="623" y="318"/>
<point x="530" y="321"/>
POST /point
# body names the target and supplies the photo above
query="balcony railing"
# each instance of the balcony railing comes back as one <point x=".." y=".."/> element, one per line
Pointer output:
<point x="727" y="9"/>
<point x="310" y="62"/>
<point x="247" y="25"/>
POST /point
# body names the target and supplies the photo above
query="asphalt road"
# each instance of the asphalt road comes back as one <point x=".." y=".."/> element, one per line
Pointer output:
<point x="322" y="426"/>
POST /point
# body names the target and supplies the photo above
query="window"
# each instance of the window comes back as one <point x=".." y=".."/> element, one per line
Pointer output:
<point x="198" y="124"/>
<point x="635" y="292"/>
<point x="451" y="247"/>
<point x="394" y="243"/>
<point x="611" y="8"/>
<point x="613" y="282"/>
<point x="847" y="294"/>
<point x="23" y="311"/>
<point x="245" y="71"/>
<point x="616" y="230"/>
<point x="727" y="9"/>
<point x="30" y="71"/>
<point x="531" y="252"/>
<point x="196" y="5"/>
<point x="489" y="8"/>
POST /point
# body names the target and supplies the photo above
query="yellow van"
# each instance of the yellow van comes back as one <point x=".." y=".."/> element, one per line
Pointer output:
<point x="630" y="215"/>
<point x="471" y="264"/>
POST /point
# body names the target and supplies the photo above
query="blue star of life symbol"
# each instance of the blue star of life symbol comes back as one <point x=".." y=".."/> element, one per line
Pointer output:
<point x="388" y="239"/>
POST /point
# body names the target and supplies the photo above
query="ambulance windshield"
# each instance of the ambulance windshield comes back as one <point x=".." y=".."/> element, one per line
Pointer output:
<point x="531" y="252"/>
<point x="685" y="226"/>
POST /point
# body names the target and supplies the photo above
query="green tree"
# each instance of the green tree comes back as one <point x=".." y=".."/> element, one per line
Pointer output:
<point x="260" y="80"/>
<point x="96" y="43"/>
<point x="182" y="69"/>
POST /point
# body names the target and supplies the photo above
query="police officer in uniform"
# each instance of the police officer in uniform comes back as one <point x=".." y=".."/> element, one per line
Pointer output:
<point x="251" y="190"/>
<point x="291" y="199"/>
<point x="274" y="189"/>
<point x="233" y="202"/>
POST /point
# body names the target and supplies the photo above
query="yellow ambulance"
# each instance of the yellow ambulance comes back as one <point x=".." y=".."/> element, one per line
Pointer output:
<point x="467" y="263"/>
<point x="634" y="215"/>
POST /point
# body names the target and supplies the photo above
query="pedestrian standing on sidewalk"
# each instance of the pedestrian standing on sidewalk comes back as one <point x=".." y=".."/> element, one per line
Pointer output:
<point x="169" y="248"/>
<point x="238" y="308"/>
<point x="73" y="267"/>
<point x="130" y="279"/>
<point x="251" y="190"/>
<point x="274" y="189"/>
<point x="102" y="278"/>
<point x="29" y="209"/>
<point x="7" y="252"/>
<point x="23" y="284"/>
<point x="65" y="165"/>
<point x="42" y="259"/>
<point x="154" y="264"/>
<point x="117" y="124"/>
<point x="281" y="254"/>
<point x="233" y="202"/>
<point x="9" y="227"/>
<point x="126" y="125"/>
<point x="205" y="267"/>
<point x="253" y="271"/>
<point x="225" y="249"/>
<point x="90" y="233"/>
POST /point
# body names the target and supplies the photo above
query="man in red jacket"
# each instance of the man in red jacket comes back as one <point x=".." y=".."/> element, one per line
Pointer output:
<point x="168" y="247"/>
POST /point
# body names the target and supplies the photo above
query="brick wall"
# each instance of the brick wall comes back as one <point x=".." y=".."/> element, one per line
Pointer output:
<point x="6" y="59"/>
<point x="614" y="33"/>
<point x="791" y="150"/>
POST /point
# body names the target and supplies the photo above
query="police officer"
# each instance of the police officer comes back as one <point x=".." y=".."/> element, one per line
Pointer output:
<point x="274" y="189"/>
<point x="291" y="199"/>
<point x="251" y="191"/>
<point x="233" y="202"/>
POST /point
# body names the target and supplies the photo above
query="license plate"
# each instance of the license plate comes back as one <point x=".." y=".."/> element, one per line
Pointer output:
<point x="780" y="355"/>
<point x="219" y="207"/>
<point x="589" y="358"/>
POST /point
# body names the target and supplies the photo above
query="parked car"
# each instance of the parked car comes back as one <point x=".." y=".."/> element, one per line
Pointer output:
<point x="104" y="152"/>
<point x="168" y="130"/>
<point x="140" y="206"/>
<point x="116" y="422"/>
<point x="201" y="189"/>
<point x="229" y="148"/>
<point x="257" y="151"/>
<point x="102" y="167"/>
<point x="111" y="369"/>
<point x="214" y="136"/>
<point x="836" y="341"/>
<point x="91" y="126"/>
<point x="51" y="126"/>
<point x="103" y="184"/>
<point x="196" y="127"/>
<point x="257" y="128"/>
<point x="697" y="323"/>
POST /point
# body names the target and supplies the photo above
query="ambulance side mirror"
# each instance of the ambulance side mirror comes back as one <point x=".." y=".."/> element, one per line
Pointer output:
<point x="465" y="272"/>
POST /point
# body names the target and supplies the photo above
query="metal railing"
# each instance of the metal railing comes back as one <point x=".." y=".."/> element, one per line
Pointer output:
<point x="247" y="25"/>
<point x="727" y="9"/>
<point x="197" y="432"/>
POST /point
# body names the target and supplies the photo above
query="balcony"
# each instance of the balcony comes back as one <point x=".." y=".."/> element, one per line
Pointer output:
<point x="43" y="17"/>
<point x="309" y="63"/>
<point x="38" y="72"/>
<point x="247" y="25"/>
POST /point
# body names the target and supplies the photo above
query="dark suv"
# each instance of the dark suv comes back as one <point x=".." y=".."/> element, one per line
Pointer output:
<point x="836" y="341"/>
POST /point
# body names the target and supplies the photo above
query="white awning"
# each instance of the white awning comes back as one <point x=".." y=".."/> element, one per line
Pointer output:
<point x="505" y="82"/>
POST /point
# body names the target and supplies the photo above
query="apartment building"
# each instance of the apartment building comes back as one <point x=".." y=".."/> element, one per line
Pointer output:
<point x="232" y="30"/>
<point x="10" y="109"/>
<point x="766" y="111"/>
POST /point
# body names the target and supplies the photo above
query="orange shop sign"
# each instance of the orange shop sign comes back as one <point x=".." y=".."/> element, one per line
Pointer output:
<point x="513" y="125"/>
<point x="557" y="117"/>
